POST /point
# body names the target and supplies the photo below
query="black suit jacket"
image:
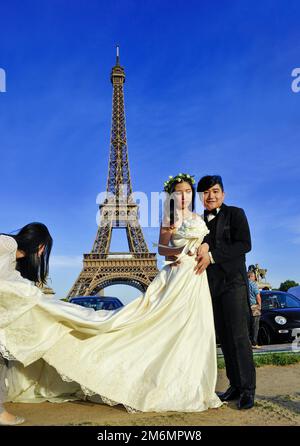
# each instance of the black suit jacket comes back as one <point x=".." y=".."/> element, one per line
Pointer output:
<point x="231" y="242"/>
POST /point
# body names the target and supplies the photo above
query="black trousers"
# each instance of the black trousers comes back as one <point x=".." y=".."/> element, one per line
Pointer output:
<point x="254" y="329"/>
<point x="232" y="323"/>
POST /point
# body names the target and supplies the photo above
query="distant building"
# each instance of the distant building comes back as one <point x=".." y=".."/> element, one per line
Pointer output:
<point x="260" y="274"/>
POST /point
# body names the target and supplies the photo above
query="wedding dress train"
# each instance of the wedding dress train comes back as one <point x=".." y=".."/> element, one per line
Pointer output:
<point x="158" y="353"/>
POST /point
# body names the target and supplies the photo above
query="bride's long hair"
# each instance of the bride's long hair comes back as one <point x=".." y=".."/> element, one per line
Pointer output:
<point x="172" y="201"/>
<point x="33" y="266"/>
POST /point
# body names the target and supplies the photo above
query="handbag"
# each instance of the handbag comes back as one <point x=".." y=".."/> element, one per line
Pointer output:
<point x="256" y="311"/>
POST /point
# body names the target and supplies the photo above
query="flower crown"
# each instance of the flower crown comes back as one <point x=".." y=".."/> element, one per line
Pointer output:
<point x="177" y="179"/>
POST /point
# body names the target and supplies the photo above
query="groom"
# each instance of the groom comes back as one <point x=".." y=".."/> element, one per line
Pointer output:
<point x="229" y="240"/>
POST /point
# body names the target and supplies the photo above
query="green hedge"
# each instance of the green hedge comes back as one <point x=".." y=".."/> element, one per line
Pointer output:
<point x="262" y="359"/>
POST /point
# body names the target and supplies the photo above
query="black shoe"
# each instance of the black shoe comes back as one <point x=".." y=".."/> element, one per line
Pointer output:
<point x="231" y="393"/>
<point x="246" y="401"/>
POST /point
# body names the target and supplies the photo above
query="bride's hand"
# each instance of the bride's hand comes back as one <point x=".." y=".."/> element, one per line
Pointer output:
<point x="174" y="259"/>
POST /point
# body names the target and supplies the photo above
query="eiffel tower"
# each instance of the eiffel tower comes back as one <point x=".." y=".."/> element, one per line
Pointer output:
<point x="101" y="268"/>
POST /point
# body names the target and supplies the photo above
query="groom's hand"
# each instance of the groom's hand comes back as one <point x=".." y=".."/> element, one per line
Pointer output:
<point x="202" y="263"/>
<point x="202" y="250"/>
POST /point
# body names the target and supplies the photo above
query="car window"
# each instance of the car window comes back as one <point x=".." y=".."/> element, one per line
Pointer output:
<point x="96" y="304"/>
<point x="292" y="302"/>
<point x="269" y="302"/>
<point x="280" y="301"/>
<point x="88" y="303"/>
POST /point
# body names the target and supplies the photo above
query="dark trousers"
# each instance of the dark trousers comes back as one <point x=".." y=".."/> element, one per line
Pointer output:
<point x="232" y="323"/>
<point x="254" y="329"/>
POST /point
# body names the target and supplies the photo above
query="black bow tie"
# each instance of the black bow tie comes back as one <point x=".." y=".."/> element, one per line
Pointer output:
<point x="212" y="212"/>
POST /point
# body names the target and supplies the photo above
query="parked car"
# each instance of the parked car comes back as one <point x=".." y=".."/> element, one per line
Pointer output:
<point x="98" y="303"/>
<point x="279" y="317"/>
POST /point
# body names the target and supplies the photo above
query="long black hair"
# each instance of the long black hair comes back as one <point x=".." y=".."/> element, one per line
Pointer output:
<point x="172" y="201"/>
<point x="34" y="267"/>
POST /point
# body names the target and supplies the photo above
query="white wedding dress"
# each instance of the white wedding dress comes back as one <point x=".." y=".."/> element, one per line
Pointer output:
<point x="156" y="354"/>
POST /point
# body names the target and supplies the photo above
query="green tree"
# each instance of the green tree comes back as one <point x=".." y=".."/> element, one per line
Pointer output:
<point x="284" y="286"/>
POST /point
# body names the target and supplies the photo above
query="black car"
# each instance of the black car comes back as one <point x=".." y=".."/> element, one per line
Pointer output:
<point x="280" y="317"/>
<point x="98" y="303"/>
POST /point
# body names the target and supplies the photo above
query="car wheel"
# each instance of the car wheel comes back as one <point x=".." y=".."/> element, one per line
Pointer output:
<point x="264" y="335"/>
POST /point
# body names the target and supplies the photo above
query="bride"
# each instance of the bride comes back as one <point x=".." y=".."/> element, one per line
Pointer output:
<point x="156" y="354"/>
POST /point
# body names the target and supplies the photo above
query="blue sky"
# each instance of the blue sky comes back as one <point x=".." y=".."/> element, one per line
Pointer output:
<point x="208" y="90"/>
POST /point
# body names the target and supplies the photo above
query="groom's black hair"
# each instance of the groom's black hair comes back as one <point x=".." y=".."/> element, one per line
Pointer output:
<point x="209" y="181"/>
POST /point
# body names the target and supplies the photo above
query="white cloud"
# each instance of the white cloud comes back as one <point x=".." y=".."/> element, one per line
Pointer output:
<point x="296" y="241"/>
<point x="294" y="228"/>
<point x="65" y="261"/>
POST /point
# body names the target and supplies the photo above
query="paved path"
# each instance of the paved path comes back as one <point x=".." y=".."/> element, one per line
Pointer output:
<point x="276" y="348"/>
<point x="277" y="404"/>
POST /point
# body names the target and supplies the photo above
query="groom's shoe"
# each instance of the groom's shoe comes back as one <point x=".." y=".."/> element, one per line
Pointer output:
<point x="246" y="401"/>
<point x="232" y="393"/>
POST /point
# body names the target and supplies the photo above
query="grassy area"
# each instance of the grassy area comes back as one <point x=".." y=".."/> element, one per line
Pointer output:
<point x="269" y="359"/>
